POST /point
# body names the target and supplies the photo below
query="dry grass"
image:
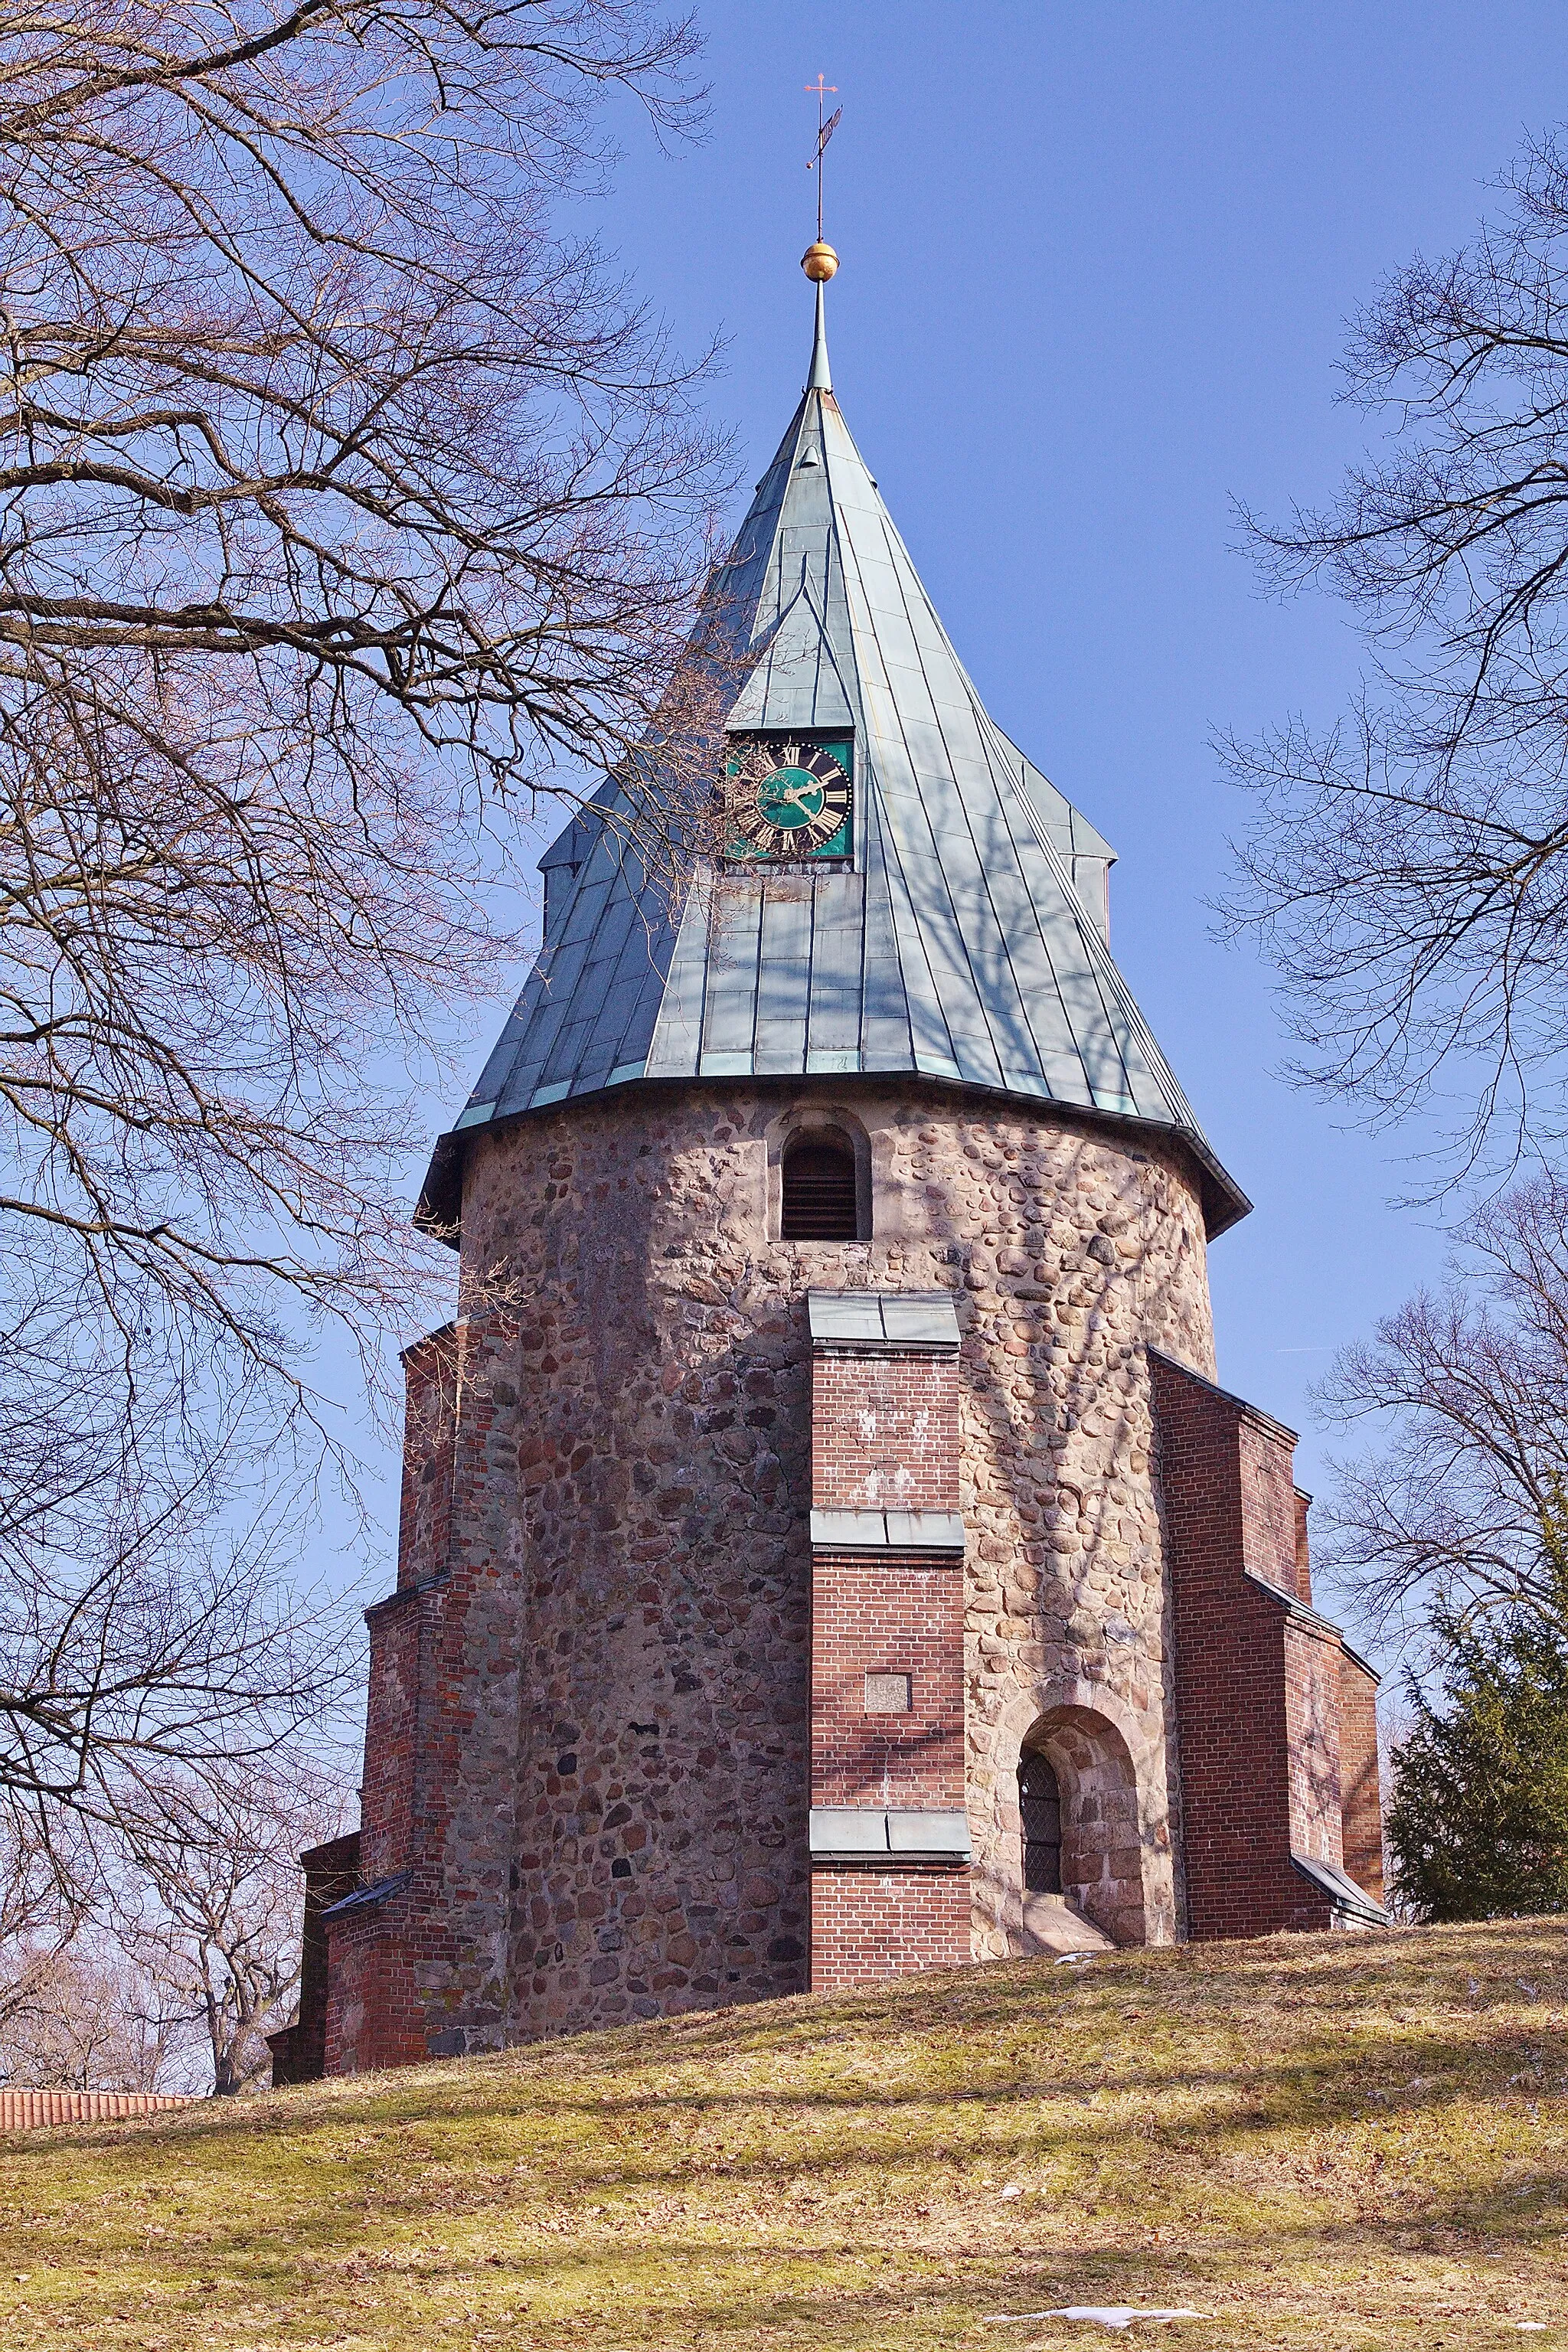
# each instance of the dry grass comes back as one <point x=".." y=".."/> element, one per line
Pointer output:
<point x="1320" y="2142"/>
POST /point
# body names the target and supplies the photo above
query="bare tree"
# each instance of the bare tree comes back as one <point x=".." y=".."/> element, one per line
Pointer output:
<point x="44" y="1905"/>
<point x="1466" y="1389"/>
<point x="86" y="2021"/>
<point x="1409" y="865"/>
<point x="151" y="1614"/>
<point x="154" y="1949"/>
<point x="211" y="1907"/>
<point x="346" y="504"/>
<point x="75" y="2011"/>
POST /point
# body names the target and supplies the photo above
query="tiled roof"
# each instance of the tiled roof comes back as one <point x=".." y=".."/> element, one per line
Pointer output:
<point x="36" y="2110"/>
<point x="967" y="938"/>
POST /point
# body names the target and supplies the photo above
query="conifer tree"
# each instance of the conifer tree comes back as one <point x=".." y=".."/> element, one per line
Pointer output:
<point x="1479" y="1823"/>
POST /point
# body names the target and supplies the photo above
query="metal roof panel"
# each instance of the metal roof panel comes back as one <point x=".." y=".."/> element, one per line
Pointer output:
<point x="968" y="940"/>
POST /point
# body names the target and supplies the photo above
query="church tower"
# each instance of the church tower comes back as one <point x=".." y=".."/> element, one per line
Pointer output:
<point x="826" y="1552"/>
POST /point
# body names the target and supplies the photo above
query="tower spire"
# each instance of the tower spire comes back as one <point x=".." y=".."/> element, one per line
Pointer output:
<point x="820" y="379"/>
<point x="819" y="261"/>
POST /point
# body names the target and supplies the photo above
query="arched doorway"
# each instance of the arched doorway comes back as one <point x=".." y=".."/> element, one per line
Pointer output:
<point x="1098" y="1849"/>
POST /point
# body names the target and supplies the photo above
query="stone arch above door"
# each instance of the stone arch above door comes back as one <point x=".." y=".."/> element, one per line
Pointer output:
<point x="1116" y="1864"/>
<point x="1101" y="1851"/>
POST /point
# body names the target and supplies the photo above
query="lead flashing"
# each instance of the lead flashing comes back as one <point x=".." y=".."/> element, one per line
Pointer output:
<point x="1373" y="1673"/>
<point x="878" y="1318"/>
<point x="1302" y="1613"/>
<point x="365" y="1897"/>
<point x="1252" y="1412"/>
<point x="1351" y="1900"/>
<point x="856" y="1837"/>
<point x="888" y="1530"/>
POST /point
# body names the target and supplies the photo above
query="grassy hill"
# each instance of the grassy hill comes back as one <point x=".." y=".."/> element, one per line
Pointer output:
<point x="1325" y="2142"/>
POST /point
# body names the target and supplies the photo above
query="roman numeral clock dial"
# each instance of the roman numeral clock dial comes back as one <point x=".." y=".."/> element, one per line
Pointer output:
<point x="785" y="798"/>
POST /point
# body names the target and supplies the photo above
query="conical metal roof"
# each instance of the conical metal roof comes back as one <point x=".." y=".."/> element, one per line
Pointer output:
<point x="966" y="937"/>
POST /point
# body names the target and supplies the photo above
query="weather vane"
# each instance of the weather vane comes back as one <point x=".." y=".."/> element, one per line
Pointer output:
<point x="821" y="261"/>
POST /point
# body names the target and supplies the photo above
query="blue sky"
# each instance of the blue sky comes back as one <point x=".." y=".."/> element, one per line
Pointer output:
<point x="1096" y="264"/>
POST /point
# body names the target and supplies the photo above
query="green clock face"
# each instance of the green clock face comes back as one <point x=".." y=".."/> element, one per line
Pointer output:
<point x="785" y="798"/>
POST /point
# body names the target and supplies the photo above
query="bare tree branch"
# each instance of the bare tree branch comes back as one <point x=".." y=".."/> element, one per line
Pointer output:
<point x="1408" y="868"/>
<point x="346" y="506"/>
<point x="79" y="2019"/>
<point x="210" y="1907"/>
<point x="1468" y="1391"/>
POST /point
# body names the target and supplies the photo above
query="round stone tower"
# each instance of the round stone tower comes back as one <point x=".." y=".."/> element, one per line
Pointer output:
<point x="790" y="1574"/>
<point x="655" y="1392"/>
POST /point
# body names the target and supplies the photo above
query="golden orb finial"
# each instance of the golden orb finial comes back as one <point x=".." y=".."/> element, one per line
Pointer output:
<point x="819" y="261"/>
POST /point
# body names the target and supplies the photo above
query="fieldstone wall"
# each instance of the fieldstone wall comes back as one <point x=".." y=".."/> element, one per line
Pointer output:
<point x="648" y="1447"/>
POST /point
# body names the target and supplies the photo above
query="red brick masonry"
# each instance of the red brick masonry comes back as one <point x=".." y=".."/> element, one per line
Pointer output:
<point x="392" y="1935"/>
<point x="884" y="1429"/>
<point x="885" y="1437"/>
<point x="883" y="1613"/>
<point x="1278" y="1728"/>
<point x="300" y="2051"/>
<point x="1360" y="1795"/>
<point x="868" y="1926"/>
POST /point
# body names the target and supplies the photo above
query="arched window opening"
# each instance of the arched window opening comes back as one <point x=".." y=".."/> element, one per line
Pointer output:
<point x="819" y="1191"/>
<point x="1040" y="1804"/>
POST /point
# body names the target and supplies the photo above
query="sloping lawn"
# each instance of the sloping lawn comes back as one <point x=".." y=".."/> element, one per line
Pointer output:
<point x="1324" y="2142"/>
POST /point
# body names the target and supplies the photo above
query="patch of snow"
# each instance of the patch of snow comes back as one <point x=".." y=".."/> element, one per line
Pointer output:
<point x="1111" y="2315"/>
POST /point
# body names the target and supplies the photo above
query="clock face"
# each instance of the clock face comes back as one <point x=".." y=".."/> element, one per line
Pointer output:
<point x="785" y="798"/>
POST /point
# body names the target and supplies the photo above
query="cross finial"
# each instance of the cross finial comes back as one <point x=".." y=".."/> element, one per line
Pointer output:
<point x="819" y="261"/>
<point x="822" y="91"/>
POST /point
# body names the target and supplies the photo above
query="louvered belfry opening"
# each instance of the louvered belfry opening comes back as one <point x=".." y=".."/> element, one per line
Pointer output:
<point x="1040" y="1804"/>
<point x="820" y="1201"/>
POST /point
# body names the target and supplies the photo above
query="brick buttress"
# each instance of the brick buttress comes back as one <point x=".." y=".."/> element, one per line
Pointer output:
<point x="890" y="1832"/>
<point x="1277" y="1734"/>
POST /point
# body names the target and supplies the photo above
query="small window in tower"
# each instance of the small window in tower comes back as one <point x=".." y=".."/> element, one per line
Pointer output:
<point x="820" y="1202"/>
<point x="1040" y="1804"/>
